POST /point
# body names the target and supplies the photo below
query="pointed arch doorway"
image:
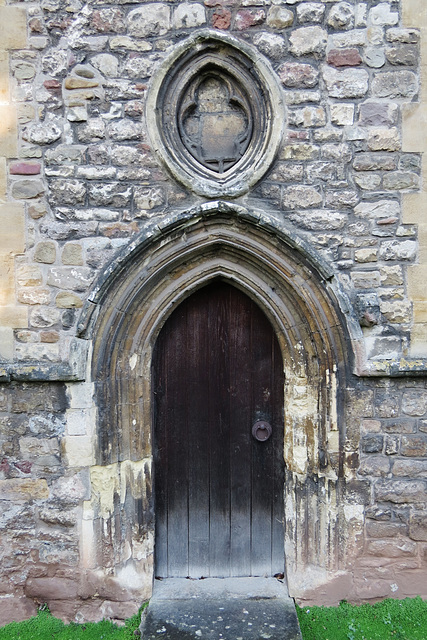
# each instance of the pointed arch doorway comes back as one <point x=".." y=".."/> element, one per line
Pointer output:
<point x="217" y="370"/>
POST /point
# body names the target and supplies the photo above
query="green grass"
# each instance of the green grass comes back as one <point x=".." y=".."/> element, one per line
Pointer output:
<point x="45" y="627"/>
<point x="386" y="620"/>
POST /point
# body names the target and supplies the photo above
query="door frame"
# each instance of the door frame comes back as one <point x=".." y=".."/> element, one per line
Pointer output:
<point x="230" y="551"/>
<point x="313" y="324"/>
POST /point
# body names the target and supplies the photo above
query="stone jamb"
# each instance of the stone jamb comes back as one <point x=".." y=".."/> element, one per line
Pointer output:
<point x="414" y="205"/>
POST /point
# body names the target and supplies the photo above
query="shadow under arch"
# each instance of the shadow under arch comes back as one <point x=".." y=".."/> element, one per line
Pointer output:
<point x="313" y="322"/>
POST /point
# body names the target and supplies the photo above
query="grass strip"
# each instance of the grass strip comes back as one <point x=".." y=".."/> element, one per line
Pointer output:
<point x="45" y="627"/>
<point x="387" y="620"/>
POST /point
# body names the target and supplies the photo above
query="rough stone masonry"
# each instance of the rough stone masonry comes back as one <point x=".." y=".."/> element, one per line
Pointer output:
<point x="86" y="197"/>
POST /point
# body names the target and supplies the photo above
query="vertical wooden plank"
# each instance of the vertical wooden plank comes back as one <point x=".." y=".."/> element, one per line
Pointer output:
<point x="278" y="523"/>
<point x="176" y="418"/>
<point x="262" y="452"/>
<point x="240" y="436"/>
<point x="219" y="428"/>
<point x="198" y="435"/>
<point x="160" y="456"/>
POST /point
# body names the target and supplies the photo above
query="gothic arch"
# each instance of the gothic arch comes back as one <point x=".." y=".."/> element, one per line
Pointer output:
<point x="295" y="290"/>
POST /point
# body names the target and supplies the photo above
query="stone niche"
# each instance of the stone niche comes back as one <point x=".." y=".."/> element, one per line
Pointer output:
<point x="215" y="114"/>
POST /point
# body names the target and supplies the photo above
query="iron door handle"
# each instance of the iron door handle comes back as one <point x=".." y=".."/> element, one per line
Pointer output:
<point x="262" y="430"/>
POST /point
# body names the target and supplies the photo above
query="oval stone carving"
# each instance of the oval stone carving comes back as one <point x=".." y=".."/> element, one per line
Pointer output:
<point x="215" y="122"/>
<point x="215" y="114"/>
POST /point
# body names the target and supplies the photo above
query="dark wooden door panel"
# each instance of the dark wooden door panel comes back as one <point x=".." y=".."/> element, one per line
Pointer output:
<point x="217" y="368"/>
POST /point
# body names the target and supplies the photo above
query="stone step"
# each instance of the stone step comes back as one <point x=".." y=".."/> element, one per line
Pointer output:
<point x="220" y="609"/>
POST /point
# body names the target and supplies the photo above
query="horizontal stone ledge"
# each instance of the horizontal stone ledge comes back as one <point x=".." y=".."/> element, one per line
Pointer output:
<point x="71" y="370"/>
<point x="399" y="368"/>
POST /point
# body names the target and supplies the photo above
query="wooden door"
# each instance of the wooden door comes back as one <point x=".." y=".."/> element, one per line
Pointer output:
<point x="217" y="369"/>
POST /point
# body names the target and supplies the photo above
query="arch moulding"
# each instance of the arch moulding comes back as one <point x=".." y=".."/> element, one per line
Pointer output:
<point x="311" y="317"/>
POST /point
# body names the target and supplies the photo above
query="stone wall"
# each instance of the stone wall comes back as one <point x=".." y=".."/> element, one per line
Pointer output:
<point x="82" y="187"/>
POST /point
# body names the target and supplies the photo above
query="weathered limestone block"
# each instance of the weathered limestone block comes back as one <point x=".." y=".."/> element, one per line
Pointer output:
<point x="67" y="192"/>
<point x="307" y="117"/>
<point x="378" y="209"/>
<point x="43" y="132"/>
<point x="73" y="488"/>
<point x="28" y="275"/>
<point x="365" y="279"/>
<point x="153" y="19"/>
<point x="111" y="194"/>
<point x="414" y="403"/>
<point x="310" y="12"/>
<point x="381" y="139"/>
<point x="341" y="16"/>
<point x="396" y="311"/>
<point x="398" y="250"/>
<point x="45" y="252"/>
<point x="378" y="114"/>
<point x="68" y="300"/>
<point x="22" y="489"/>
<point x="401" y="491"/>
<point x="49" y="425"/>
<point x="406" y="36"/>
<point x="279" y="17"/>
<point x="406" y="55"/>
<point x="400" y="180"/>
<point x="271" y="45"/>
<point x="383" y="15"/>
<point x="300" y="151"/>
<point x="350" y="83"/>
<point x="72" y="254"/>
<point x="188" y="15"/>
<point x="92" y="131"/>
<point x="308" y="41"/>
<point x="74" y="278"/>
<point x="298" y="75"/>
<point x="27" y="189"/>
<point x="318" y="219"/>
<point x="377" y="466"/>
<point x="34" y="295"/>
<point x="125" y="129"/>
<point x="395" y="84"/>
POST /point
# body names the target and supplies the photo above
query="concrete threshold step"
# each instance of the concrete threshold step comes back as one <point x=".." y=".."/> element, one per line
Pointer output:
<point x="220" y="609"/>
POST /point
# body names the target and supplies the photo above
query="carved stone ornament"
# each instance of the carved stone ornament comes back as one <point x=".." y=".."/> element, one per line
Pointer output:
<point x="215" y="114"/>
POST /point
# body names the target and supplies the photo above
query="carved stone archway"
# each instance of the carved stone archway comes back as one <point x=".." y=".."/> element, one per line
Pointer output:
<point x="296" y="291"/>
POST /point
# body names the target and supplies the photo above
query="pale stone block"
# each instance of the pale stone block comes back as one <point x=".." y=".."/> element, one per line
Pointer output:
<point x="6" y="343"/>
<point x="417" y="275"/>
<point x="419" y="341"/>
<point x="12" y="223"/>
<point x="414" y="117"/>
<point x="13" y="316"/>
<point x="7" y="284"/>
<point x="420" y="312"/>
<point x="3" y="179"/>
<point x="76" y="422"/>
<point x="13" y="27"/>
<point x="78" y="451"/>
<point x="8" y="131"/>
<point x="4" y="77"/>
<point x="80" y="395"/>
<point x="414" y="208"/>
<point x="342" y="114"/>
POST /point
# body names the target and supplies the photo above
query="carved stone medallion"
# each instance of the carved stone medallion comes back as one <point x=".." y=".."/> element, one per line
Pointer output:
<point x="215" y="114"/>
